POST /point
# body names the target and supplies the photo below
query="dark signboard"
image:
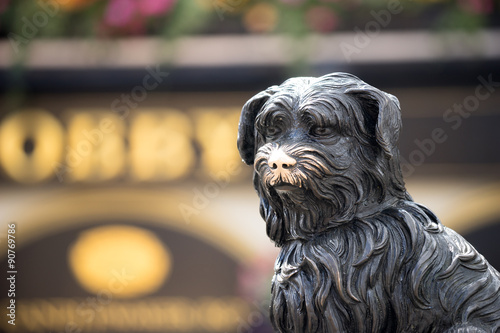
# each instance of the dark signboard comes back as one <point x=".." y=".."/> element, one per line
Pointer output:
<point x="124" y="276"/>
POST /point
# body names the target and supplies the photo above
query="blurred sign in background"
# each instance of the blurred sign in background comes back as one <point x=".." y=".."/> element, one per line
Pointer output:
<point x="120" y="178"/>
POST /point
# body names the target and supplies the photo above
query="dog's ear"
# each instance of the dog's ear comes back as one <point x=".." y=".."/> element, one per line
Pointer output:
<point x="246" y="128"/>
<point x="383" y="109"/>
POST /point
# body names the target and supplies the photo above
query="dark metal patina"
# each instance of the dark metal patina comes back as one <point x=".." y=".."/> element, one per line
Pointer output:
<point x="357" y="254"/>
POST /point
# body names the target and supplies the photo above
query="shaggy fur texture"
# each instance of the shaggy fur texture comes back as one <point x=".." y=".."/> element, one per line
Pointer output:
<point x="357" y="254"/>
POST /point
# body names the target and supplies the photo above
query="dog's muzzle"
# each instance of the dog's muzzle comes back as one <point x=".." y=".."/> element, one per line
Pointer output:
<point x="281" y="165"/>
<point x="287" y="168"/>
<point x="280" y="162"/>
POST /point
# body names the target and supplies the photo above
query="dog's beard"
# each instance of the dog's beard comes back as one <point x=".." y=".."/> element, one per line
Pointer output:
<point x="325" y="196"/>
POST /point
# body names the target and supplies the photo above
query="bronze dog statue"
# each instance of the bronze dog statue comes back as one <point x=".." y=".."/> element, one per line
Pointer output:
<point x="357" y="254"/>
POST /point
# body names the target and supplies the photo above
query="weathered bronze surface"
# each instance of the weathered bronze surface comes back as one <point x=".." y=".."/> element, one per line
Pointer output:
<point x="357" y="254"/>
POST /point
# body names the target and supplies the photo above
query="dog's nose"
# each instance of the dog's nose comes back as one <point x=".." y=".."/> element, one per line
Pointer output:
<point x="279" y="161"/>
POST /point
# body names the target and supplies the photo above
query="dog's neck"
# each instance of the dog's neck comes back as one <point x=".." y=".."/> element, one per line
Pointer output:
<point x="364" y="210"/>
<point x="368" y="208"/>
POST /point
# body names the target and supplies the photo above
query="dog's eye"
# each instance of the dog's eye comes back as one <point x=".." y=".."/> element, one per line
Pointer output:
<point x="272" y="131"/>
<point x="322" y="131"/>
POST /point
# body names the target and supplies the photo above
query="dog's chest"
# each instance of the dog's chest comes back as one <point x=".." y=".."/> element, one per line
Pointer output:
<point x="318" y="278"/>
<point x="336" y="254"/>
<point x="306" y="262"/>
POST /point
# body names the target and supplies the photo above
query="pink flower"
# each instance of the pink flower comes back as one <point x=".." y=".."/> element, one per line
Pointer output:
<point x="321" y="19"/>
<point x="120" y="12"/>
<point x="3" y="5"/>
<point x="477" y="6"/>
<point x="155" y="7"/>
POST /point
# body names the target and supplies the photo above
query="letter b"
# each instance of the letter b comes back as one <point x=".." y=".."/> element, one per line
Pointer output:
<point x="95" y="136"/>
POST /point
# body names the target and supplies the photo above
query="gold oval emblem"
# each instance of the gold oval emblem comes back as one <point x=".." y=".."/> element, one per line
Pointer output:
<point x="122" y="260"/>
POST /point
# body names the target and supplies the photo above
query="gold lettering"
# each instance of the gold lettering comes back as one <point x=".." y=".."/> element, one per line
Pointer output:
<point x="161" y="314"/>
<point x="95" y="150"/>
<point x="34" y="146"/>
<point x="160" y="145"/>
<point x="37" y="315"/>
<point x="177" y="314"/>
<point x="216" y="132"/>
<point x="31" y="145"/>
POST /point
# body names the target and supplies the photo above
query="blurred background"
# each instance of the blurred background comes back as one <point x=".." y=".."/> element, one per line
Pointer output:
<point x="119" y="173"/>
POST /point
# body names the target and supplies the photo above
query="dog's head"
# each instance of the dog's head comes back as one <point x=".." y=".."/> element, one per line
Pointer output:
<point x="324" y="151"/>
